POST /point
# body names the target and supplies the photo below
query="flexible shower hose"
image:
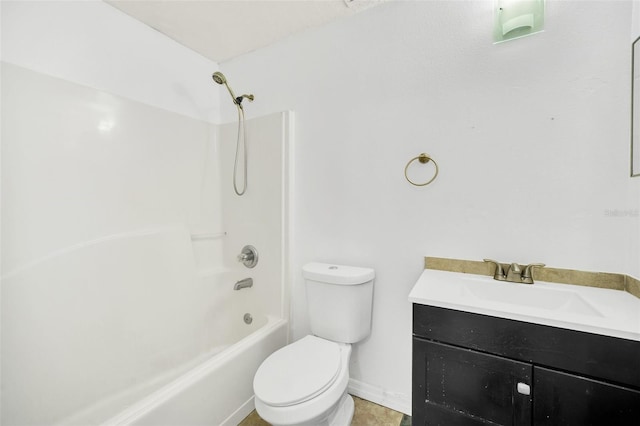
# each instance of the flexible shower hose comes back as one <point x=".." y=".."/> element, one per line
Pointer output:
<point x="241" y="130"/>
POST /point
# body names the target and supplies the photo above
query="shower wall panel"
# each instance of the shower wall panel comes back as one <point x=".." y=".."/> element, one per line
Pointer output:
<point x="259" y="217"/>
<point x="101" y="290"/>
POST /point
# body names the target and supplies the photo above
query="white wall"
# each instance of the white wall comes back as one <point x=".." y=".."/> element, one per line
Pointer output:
<point x="635" y="20"/>
<point x="96" y="45"/>
<point x="532" y="139"/>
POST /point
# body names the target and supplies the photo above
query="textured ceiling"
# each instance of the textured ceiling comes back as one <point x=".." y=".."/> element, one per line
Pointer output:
<point x="223" y="29"/>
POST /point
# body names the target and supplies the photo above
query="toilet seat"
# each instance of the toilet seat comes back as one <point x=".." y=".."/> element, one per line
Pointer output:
<point x="298" y="372"/>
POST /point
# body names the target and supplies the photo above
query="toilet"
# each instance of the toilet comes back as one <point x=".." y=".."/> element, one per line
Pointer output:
<point x="305" y="383"/>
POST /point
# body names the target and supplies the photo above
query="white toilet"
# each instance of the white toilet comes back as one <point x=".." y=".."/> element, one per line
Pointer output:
<point x="305" y="383"/>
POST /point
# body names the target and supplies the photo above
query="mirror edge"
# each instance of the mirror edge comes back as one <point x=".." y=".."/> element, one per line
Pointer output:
<point x="633" y="46"/>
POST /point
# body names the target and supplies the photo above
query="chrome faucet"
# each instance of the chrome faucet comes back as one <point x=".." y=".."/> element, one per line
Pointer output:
<point x="515" y="273"/>
<point x="249" y="256"/>
<point x="245" y="283"/>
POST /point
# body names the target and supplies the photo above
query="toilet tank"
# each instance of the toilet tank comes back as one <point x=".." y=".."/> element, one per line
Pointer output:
<point x="339" y="300"/>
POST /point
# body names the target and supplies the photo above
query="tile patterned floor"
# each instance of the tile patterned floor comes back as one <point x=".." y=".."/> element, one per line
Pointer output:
<point x="366" y="414"/>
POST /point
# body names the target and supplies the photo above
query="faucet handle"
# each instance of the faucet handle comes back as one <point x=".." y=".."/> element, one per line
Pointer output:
<point x="526" y="273"/>
<point x="499" y="273"/>
<point x="249" y="256"/>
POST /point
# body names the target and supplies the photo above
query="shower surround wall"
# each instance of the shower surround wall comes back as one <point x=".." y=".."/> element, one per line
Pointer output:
<point x="531" y="136"/>
<point x="118" y="256"/>
<point x="260" y="217"/>
<point x="99" y="285"/>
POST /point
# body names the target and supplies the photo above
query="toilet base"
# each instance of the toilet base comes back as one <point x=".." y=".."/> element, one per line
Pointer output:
<point x="345" y="411"/>
<point x="340" y="415"/>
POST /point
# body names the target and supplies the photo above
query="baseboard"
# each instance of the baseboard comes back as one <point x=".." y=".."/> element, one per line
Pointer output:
<point x="240" y="414"/>
<point x="394" y="400"/>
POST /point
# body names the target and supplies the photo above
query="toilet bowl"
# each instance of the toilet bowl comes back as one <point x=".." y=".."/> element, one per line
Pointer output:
<point x="305" y="383"/>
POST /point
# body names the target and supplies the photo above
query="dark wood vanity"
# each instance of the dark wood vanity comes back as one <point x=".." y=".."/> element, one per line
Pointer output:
<point x="473" y="369"/>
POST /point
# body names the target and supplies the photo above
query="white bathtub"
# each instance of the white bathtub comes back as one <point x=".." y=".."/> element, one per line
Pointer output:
<point x="217" y="392"/>
<point x="125" y="330"/>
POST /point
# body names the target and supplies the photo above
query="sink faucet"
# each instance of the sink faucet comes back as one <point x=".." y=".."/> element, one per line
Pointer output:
<point x="515" y="273"/>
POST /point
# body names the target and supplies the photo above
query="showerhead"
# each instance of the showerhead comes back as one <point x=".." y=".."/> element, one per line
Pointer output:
<point x="219" y="78"/>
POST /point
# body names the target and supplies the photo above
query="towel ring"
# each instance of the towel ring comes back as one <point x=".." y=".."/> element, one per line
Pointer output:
<point x="424" y="159"/>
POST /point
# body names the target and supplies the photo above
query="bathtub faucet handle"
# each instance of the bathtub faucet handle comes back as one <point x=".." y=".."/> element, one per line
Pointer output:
<point x="248" y="256"/>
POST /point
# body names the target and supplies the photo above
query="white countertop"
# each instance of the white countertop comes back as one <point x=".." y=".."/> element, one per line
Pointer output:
<point x="594" y="310"/>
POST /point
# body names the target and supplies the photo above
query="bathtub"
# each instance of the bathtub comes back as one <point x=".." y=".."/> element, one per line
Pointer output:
<point x="217" y="392"/>
<point x="129" y="331"/>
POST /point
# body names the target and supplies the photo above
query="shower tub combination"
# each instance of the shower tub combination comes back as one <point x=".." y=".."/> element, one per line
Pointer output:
<point x="107" y="320"/>
<point x="183" y="353"/>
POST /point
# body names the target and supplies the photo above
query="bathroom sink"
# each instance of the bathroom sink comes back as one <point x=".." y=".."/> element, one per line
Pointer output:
<point x="596" y="310"/>
<point x="541" y="297"/>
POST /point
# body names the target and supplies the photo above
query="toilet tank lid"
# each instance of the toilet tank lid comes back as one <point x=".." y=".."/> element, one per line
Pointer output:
<point x="337" y="274"/>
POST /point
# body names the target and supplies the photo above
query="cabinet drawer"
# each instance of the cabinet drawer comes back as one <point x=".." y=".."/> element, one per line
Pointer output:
<point x="608" y="358"/>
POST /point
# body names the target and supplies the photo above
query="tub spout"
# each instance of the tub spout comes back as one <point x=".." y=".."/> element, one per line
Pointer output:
<point x="246" y="283"/>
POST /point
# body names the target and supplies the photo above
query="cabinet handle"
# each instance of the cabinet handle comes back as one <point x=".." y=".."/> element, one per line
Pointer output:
<point x="523" y="388"/>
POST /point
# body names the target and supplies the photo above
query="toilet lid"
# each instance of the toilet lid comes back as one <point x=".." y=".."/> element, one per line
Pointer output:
<point x="297" y="372"/>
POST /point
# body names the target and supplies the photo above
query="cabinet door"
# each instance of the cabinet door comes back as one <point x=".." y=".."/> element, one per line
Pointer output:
<point x="456" y="386"/>
<point x="566" y="399"/>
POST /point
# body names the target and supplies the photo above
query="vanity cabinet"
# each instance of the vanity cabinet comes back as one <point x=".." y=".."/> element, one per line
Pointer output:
<point x="472" y="369"/>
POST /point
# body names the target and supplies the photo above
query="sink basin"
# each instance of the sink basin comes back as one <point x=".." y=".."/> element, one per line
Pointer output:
<point x="596" y="310"/>
<point x="531" y="296"/>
